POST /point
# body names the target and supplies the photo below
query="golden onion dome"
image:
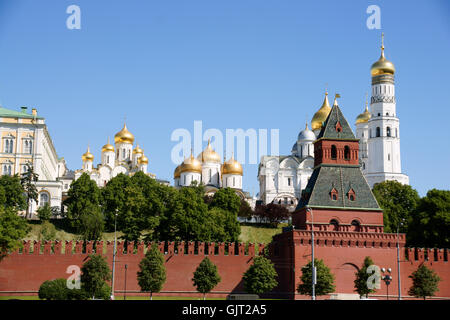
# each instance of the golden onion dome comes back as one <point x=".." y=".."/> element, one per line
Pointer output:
<point x="143" y="159"/>
<point x="382" y="66"/>
<point x="176" y="173"/>
<point x="191" y="165"/>
<point x="365" y="116"/>
<point x="124" y="136"/>
<point x="87" y="156"/>
<point x="138" y="150"/>
<point x="108" y="147"/>
<point x="209" y="155"/>
<point x="321" y="115"/>
<point x="232" y="167"/>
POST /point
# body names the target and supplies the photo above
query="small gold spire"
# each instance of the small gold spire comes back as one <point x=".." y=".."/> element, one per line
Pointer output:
<point x="336" y="96"/>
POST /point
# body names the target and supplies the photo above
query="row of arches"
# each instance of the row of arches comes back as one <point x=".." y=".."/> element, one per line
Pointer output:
<point x="389" y="132"/>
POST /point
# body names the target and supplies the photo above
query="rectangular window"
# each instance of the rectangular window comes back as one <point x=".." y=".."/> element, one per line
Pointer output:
<point x="289" y="181"/>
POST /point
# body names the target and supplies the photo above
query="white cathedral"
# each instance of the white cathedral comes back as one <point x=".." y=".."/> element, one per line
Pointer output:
<point x="282" y="178"/>
<point x="121" y="158"/>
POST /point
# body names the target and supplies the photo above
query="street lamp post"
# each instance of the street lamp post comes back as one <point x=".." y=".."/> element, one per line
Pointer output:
<point x="387" y="280"/>
<point x="313" y="271"/>
<point x="114" y="256"/>
<point x="125" y="291"/>
<point x="398" y="262"/>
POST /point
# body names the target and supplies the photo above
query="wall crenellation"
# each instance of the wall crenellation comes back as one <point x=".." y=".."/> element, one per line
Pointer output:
<point x="56" y="247"/>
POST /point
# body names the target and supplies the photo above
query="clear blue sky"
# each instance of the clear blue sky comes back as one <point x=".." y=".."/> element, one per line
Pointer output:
<point x="230" y="63"/>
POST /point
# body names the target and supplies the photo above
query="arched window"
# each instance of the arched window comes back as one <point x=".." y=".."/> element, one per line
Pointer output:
<point x="333" y="152"/>
<point x="356" y="226"/>
<point x="234" y="181"/>
<point x="378" y="132"/>
<point x="43" y="199"/>
<point x="347" y="153"/>
<point x="396" y="133"/>
<point x="7" y="169"/>
<point x="334" y="225"/>
<point x="388" y="131"/>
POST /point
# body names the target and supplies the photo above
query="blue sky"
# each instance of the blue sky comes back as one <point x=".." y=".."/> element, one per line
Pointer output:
<point x="232" y="64"/>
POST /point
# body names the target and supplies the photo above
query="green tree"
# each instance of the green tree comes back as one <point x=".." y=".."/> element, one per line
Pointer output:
<point x="83" y="199"/>
<point x="430" y="226"/>
<point x="425" y="282"/>
<point x="260" y="276"/>
<point x="152" y="272"/>
<point x="94" y="274"/>
<point x="361" y="278"/>
<point x="12" y="230"/>
<point x="54" y="290"/>
<point x="48" y="231"/>
<point x="226" y="199"/>
<point x="324" y="277"/>
<point x="206" y="277"/>
<point x="13" y="192"/>
<point x="245" y="211"/>
<point x="91" y="223"/>
<point x="44" y="213"/>
<point x="224" y="226"/>
<point x="28" y="181"/>
<point x="398" y="201"/>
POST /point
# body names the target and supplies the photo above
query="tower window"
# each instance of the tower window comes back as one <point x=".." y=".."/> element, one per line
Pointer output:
<point x="333" y="152"/>
<point x="388" y="131"/>
<point x="346" y="153"/>
<point x="364" y="165"/>
<point x="43" y="199"/>
<point x="289" y="181"/>
<point x="335" y="224"/>
<point x="356" y="225"/>
<point x="396" y="132"/>
<point x="389" y="157"/>
<point x="378" y="132"/>
<point x="7" y="169"/>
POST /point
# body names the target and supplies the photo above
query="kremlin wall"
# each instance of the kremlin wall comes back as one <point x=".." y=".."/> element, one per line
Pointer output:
<point x="22" y="272"/>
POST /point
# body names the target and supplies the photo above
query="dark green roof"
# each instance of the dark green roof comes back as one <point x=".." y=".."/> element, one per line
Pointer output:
<point x="329" y="129"/>
<point x="343" y="179"/>
<point x="16" y="114"/>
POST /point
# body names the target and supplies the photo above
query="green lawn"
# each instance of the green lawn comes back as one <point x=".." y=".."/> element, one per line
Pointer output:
<point x="249" y="233"/>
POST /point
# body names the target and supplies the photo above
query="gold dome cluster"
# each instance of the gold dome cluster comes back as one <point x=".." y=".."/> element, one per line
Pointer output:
<point x="124" y="136"/>
<point x="87" y="156"/>
<point x="382" y="66"/>
<point x="321" y="115"/>
<point x="138" y="150"/>
<point x="232" y="167"/>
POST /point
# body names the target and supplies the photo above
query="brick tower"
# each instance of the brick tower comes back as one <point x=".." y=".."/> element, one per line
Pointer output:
<point x="337" y="197"/>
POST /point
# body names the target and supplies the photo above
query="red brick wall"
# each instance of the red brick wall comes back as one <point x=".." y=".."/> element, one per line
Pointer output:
<point x="344" y="253"/>
<point x="23" y="272"/>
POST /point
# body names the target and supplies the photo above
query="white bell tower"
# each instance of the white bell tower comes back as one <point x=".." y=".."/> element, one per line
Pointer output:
<point x="384" y="127"/>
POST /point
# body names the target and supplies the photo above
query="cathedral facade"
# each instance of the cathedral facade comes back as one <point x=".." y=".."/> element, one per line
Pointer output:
<point x="120" y="158"/>
<point x="208" y="169"/>
<point x="283" y="178"/>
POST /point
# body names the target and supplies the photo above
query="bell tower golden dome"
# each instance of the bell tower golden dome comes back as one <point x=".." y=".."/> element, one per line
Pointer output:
<point x="321" y="115"/>
<point x="382" y="66"/>
<point x="124" y="136"/>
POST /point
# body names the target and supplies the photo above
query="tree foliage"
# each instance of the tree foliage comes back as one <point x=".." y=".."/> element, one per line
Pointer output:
<point x="206" y="277"/>
<point x="13" y="192"/>
<point x="324" y="277"/>
<point x="271" y="213"/>
<point x="28" y="181"/>
<point x="398" y="201"/>
<point x="94" y="274"/>
<point x="430" y="225"/>
<point x="361" y="278"/>
<point x="152" y="272"/>
<point x="425" y="282"/>
<point x="260" y="277"/>
<point x="12" y="229"/>
<point x="44" y="213"/>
